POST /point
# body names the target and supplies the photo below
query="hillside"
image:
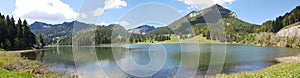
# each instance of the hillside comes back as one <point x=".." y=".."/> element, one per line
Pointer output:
<point x="281" y="21"/>
<point x="53" y="32"/>
<point x="194" y="24"/>
<point x="141" y="29"/>
<point x="289" y="32"/>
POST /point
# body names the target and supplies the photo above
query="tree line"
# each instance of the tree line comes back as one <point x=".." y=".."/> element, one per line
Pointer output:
<point x="104" y="35"/>
<point x="281" y="21"/>
<point x="16" y="35"/>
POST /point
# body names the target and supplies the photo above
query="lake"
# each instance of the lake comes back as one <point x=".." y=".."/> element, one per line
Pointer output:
<point x="165" y="60"/>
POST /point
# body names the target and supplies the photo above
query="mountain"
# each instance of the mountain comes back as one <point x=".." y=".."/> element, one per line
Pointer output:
<point x="194" y="24"/>
<point x="62" y="33"/>
<point x="53" y="32"/>
<point x="39" y="25"/>
<point x="142" y="29"/>
<point x="198" y="16"/>
<point x="282" y="21"/>
<point x="100" y="35"/>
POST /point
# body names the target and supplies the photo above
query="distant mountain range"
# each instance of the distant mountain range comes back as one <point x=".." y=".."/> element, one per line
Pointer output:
<point x="141" y="29"/>
<point x="195" y="19"/>
<point x="190" y="25"/>
<point x="53" y="32"/>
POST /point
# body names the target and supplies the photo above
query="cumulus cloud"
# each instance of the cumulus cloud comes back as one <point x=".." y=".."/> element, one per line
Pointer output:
<point x="44" y="10"/>
<point x="83" y="15"/>
<point x="115" y="4"/>
<point x="200" y="4"/>
<point x="109" y="4"/>
<point x="99" y="11"/>
<point x="103" y="23"/>
<point x="124" y="23"/>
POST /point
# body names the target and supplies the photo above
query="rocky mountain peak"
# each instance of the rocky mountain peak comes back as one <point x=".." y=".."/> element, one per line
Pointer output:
<point x="226" y="13"/>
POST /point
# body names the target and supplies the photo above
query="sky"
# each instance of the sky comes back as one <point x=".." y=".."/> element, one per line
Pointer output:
<point x="105" y="12"/>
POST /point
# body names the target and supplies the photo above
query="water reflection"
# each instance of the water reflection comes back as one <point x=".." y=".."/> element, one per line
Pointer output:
<point x="239" y="58"/>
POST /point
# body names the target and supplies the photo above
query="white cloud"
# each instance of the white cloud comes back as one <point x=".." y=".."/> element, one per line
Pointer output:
<point x="99" y="11"/>
<point x="115" y="4"/>
<point x="83" y="15"/>
<point x="44" y="10"/>
<point x="109" y="4"/>
<point x="124" y="23"/>
<point x="103" y="23"/>
<point x="200" y="4"/>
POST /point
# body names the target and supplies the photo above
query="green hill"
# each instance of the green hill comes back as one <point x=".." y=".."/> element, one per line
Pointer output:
<point x="194" y="24"/>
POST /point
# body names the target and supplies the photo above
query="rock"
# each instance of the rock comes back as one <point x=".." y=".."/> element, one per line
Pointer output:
<point x="289" y="32"/>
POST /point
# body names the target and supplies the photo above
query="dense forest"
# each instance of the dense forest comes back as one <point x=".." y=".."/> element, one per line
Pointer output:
<point x="15" y="36"/>
<point x="281" y="21"/>
<point x="113" y="33"/>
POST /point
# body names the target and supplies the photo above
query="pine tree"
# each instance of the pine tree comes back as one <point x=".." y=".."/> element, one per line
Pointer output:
<point x="40" y="41"/>
<point x="25" y="33"/>
<point x="18" y="39"/>
<point x="19" y="29"/>
<point x="3" y="31"/>
<point x="14" y="36"/>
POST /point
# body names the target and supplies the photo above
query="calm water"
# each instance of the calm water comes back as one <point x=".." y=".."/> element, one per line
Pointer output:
<point x="111" y="61"/>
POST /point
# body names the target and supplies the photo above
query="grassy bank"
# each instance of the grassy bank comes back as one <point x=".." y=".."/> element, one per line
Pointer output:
<point x="23" y="51"/>
<point x="13" y="65"/>
<point x="282" y="70"/>
<point x="174" y="39"/>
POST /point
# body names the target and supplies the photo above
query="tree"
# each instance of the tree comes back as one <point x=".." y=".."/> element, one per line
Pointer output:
<point x="26" y="34"/>
<point x="40" y="41"/>
<point x="19" y="29"/>
<point x="14" y="37"/>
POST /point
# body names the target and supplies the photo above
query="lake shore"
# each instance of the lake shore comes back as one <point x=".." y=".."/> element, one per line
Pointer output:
<point x="285" y="70"/>
<point x="287" y="59"/>
<point x="13" y="62"/>
<point x="287" y="67"/>
<point x="25" y="51"/>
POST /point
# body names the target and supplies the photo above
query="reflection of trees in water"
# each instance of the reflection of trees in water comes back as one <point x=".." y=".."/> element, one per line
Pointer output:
<point x="64" y="55"/>
<point x="61" y="55"/>
<point x="37" y="55"/>
<point x="106" y="53"/>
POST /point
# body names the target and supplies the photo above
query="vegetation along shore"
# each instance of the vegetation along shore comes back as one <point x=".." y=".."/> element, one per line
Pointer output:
<point x="14" y="40"/>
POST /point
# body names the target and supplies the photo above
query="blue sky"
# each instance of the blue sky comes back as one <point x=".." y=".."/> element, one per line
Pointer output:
<point x="58" y="11"/>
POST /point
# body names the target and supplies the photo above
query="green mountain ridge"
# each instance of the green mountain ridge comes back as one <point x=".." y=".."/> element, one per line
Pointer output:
<point x="193" y="24"/>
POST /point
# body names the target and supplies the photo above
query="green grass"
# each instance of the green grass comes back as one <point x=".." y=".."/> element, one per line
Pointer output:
<point x="175" y="39"/>
<point x="1" y="50"/>
<point x="15" y="66"/>
<point x="8" y="74"/>
<point x="282" y="70"/>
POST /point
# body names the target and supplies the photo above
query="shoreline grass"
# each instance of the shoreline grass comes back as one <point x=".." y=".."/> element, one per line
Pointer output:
<point x="24" y="51"/>
<point x="12" y="64"/>
<point x="284" y="70"/>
